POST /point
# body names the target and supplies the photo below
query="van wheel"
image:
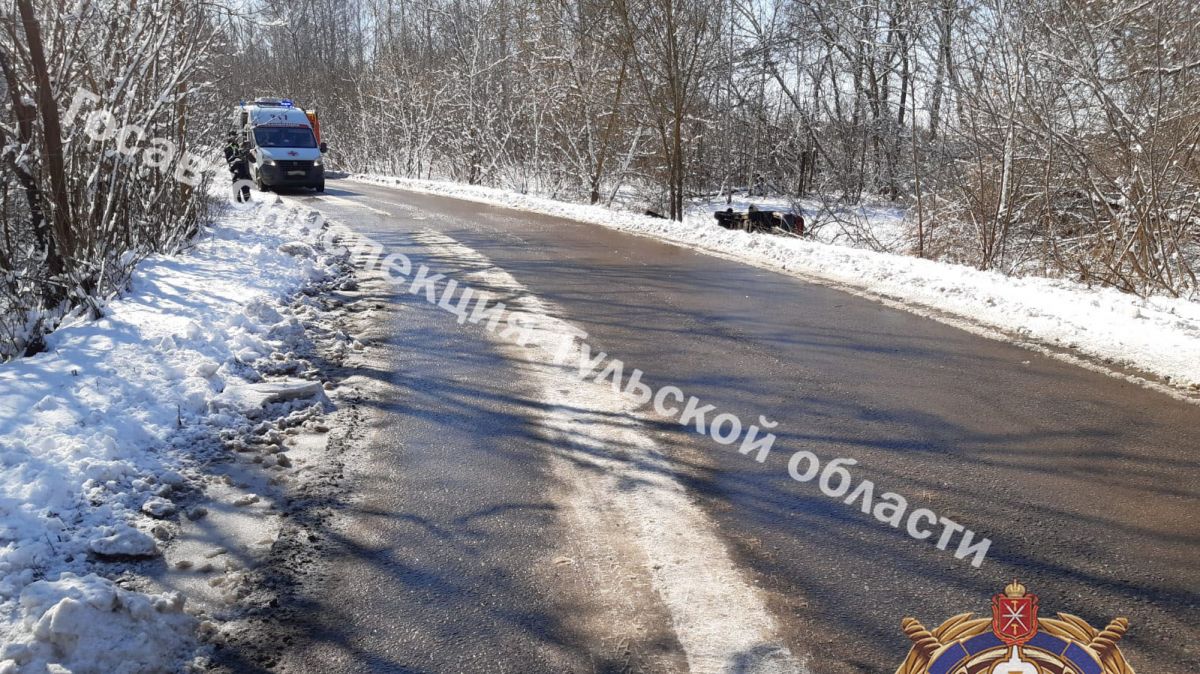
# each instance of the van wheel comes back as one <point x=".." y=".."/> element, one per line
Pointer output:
<point x="259" y="183"/>
<point x="320" y="187"/>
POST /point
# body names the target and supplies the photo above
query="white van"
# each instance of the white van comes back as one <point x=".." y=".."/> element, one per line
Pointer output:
<point x="285" y="150"/>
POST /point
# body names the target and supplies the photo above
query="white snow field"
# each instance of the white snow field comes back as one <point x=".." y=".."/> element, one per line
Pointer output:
<point x="1158" y="336"/>
<point x="95" y="434"/>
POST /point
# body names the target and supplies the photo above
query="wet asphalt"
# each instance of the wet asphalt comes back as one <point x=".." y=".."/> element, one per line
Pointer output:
<point x="1088" y="485"/>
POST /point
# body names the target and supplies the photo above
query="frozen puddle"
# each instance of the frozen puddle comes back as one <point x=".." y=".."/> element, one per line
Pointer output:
<point x="614" y="466"/>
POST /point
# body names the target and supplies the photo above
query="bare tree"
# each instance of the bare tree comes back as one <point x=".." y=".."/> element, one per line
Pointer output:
<point x="672" y="44"/>
<point x="79" y="211"/>
<point x="1047" y="137"/>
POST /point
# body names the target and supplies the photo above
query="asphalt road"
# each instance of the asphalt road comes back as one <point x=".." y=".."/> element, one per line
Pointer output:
<point x="1087" y="485"/>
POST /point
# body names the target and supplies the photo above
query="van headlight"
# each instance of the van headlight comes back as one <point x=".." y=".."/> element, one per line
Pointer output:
<point x="268" y="162"/>
<point x="316" y="163"/>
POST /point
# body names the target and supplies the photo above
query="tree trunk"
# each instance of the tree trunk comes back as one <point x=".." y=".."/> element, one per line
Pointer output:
<point x="25" y="114"/>
<point x="51" y="138"/>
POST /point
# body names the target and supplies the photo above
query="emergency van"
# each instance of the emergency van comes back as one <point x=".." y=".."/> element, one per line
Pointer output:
<point x="284" y="145"/>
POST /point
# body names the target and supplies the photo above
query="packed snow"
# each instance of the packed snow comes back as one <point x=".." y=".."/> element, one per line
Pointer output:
<point x="1158" y="336"/>
<point x="88" y="624"/>
<point x="95" y="435"/>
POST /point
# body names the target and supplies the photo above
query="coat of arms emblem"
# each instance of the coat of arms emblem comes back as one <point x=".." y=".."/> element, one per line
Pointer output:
<point x="1014" y="615"/>
<point x="1015" y="641"/>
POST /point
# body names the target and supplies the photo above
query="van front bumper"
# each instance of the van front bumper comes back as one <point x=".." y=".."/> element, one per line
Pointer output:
<point x="293" y="173"/>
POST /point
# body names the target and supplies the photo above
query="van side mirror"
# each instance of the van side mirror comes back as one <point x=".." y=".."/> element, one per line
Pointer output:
<point x="324" y="148"/>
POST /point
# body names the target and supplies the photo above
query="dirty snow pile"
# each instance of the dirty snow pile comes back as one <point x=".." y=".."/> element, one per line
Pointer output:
<point x="95" y="434"/>
<point x="1157" y="335"/>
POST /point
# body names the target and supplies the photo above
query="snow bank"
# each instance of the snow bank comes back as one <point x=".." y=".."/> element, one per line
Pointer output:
<point x="1158" y="335"/>
<point x="88" y="624"/>
<point x="95" y="433"/>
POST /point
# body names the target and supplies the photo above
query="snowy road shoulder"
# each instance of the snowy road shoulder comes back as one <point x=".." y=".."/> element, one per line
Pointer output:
<point x="1109" y="331"/>
<point x="120" y="437"/>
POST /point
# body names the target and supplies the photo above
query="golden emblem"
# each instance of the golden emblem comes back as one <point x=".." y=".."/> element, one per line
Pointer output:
<point x="1015" y="641"/>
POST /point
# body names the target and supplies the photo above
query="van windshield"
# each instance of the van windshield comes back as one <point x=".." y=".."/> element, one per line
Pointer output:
<point x="284" y="136"/>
